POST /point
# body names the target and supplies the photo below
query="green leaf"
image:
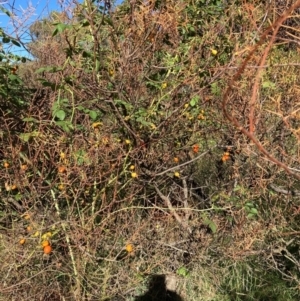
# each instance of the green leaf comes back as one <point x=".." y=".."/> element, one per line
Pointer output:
<point x="26" y="136"/>
<point x="97" y="66"/>
<point x="60" y="114"/>
<point x="142" y="121"/>
<point x="56" y="69"/>
<point x="40" y="70"/>
<point x="141" y="113"/>
<point x="4" y="10"/>
<point x="30" y="119"/>
<point x="254" y="211"/>
<point x="194" y="101"/>
<point x="16" y="78"/>
<point x="16" y="43"/>
<point x="93" y="115"/>
<point x="65" y="125"/>
<point x="5" y="40"/>
<point x="268" y="84"/>
<point x="213" y="227"/>
<point x="127" y="105"/>
<point x="60" y="27"/>
<point x="55" y="32"/>
<point x="12" y="77"/>
<point x="48" y="84"/>
<point x="81" y="157"/>
<point x="18" y="197"/>
<point x="64" y="100"/>
<point x="83" y="109"/>
<point x="182" y="271"/>
<point x="86" y="54"/>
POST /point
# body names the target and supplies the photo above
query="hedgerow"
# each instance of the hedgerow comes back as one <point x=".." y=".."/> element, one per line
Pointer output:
<point x="156" y="137"/>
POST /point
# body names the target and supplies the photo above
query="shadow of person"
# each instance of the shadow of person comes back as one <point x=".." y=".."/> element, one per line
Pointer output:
<point x="157" y="291"/>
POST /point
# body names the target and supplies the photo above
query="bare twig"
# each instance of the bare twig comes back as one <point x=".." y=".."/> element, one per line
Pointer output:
<point x="284" y="191"/>
<point x="172" y="245"/>
<point x="169" y="205"/>
<point x="183" y="164"/>
<point x="185" y="199"/>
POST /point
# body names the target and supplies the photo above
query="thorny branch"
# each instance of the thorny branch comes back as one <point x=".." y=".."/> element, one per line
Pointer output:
<point x="250" y="133"/>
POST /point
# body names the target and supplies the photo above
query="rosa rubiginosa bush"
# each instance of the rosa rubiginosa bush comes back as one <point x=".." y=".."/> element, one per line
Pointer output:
<point x="125" y="153"/>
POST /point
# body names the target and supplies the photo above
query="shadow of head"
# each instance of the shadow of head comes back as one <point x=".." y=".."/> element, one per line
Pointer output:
<point x="157" y="291"/>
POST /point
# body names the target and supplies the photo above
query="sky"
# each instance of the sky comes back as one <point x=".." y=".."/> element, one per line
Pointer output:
<point x="26" y="12"/>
